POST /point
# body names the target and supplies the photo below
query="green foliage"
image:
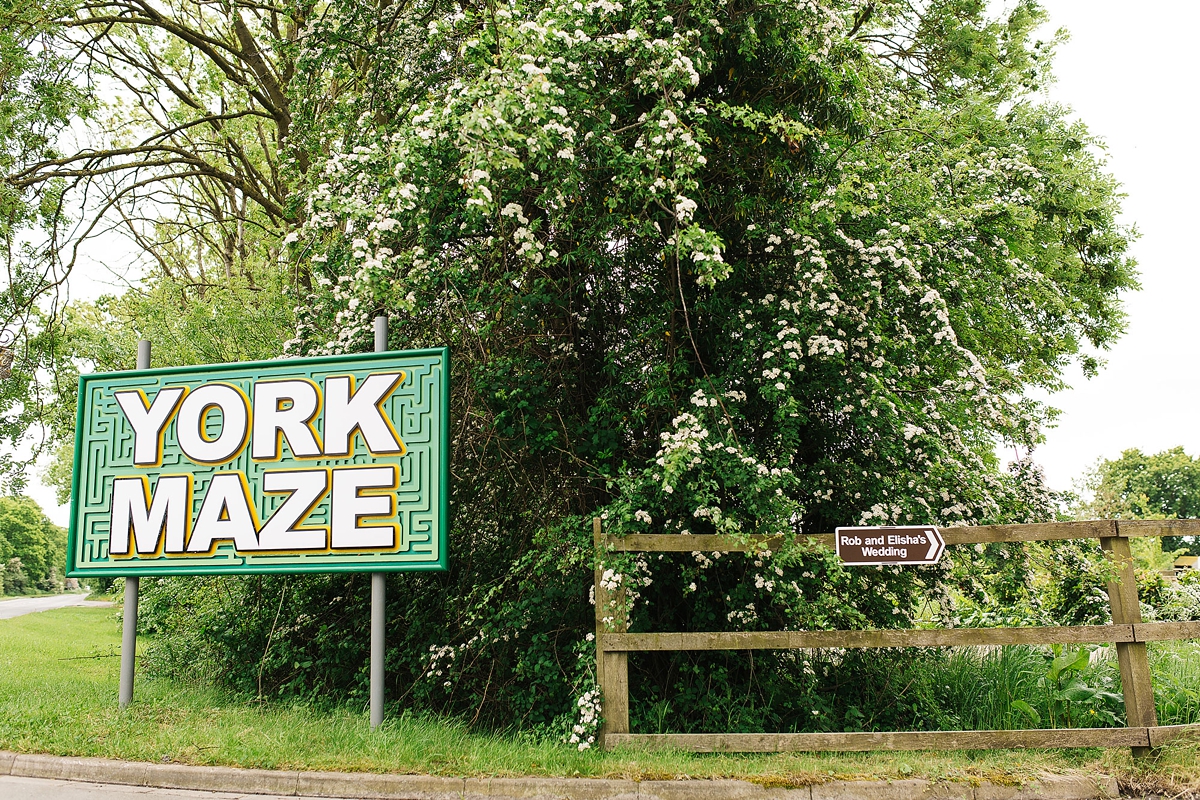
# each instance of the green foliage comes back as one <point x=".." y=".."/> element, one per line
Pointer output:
<point x="1071" y="700"/>
<point x="33" y="547"/>
<point x="1178" y="601"/>
<point x="1076" y="573"/>
<point x="748" y="269"/>
<point x="178" y="115"/>
<point x="1164" y="485"/>
<point x="186" y="324"/>
<point x="14" y="580"/>
<point x="1176" y="672"/>
<point x="1025" y="687"/>
<point x="292" y="637"/>
<point x="38" y="100"/>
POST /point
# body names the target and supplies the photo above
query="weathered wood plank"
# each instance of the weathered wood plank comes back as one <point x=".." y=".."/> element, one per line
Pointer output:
<point x="983" y="534"/>
<point x="1159" y="527"/>
<point x="791" y="640"/>
<point x="1132" y="659"/>
<point x="677" y="543"/>
<point x="907" y="740"/>
<point x="614" y="696"/>
<point x="612" y="669"/>
<point x="1040" y="532"/>
<point x="1165" y="631"/>
<point x="1163" y="734"/>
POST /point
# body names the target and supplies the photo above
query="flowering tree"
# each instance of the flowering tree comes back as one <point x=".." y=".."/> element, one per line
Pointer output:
<point x="705" y="267"/>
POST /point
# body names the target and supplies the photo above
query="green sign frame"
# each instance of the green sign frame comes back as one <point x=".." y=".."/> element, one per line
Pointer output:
<point x="305" y="465"/>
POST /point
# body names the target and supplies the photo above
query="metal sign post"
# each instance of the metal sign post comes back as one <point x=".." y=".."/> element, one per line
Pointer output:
<point x="378" y="588"/>
<point x="132" y="584"/>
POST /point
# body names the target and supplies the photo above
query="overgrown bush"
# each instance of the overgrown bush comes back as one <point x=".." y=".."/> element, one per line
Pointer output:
<point x="308" y="638"/>
<point x="102" y="586"/>
<point x="1077" y="591"/>
<point x="704" y="268"/>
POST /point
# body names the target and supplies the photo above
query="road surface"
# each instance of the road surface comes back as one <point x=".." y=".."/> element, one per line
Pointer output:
<point x="45" y="789"/>
<point x="28" y="605"/>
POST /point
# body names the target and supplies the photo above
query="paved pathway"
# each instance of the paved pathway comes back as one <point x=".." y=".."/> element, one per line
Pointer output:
<point x="12" y="788"/>
<point x="28" y="605"/>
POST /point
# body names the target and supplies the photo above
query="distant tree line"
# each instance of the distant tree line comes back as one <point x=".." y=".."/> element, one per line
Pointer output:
<point x="33" y="550"/>
<point x="1164" y="485"/>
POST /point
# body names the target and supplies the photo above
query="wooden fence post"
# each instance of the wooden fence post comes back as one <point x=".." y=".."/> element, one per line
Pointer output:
<point x="612" y="669"/>
<point x="1131" y="656"/>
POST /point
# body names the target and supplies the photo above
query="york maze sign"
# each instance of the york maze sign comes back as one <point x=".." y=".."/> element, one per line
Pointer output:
<point x="300" y="465"/>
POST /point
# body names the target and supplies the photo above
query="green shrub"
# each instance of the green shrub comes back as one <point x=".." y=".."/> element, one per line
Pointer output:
<point x="15" y="579"/>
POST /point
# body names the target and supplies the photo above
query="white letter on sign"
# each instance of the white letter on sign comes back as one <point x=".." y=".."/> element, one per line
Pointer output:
<point x="225" y="514"/>
<point x="294" y="422"/>
<point x="307" y="487"/>
<point x="235" y="423"/>
<point x="148" y="423"/>
<point x="347" y="508"/>
<point x="347" y="409"/>
<point x="170" y="509"/>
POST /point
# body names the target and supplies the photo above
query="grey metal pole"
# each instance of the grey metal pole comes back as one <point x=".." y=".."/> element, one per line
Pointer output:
<point x="378" y="587"/>
<point x="130" y="617"/>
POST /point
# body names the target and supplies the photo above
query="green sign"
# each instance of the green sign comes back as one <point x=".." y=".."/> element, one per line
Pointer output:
<point x="297" y="465"/>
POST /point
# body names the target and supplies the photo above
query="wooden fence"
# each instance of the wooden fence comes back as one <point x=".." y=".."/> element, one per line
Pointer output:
<point x="614" y="644"/>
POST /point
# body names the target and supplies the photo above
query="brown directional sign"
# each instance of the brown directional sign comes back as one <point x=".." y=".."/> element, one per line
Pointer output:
<point x="913" y="544"/>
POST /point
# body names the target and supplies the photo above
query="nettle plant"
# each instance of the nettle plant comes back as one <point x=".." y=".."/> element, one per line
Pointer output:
<point x="705" y="267"/>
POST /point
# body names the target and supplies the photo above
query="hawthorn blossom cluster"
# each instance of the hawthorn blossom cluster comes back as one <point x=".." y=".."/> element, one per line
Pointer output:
<point x="583" y="732"/>
<point x="623" y="579"/>
<point x="442" y="660"/>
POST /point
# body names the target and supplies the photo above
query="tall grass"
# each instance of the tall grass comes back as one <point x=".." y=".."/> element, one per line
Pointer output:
<point x="982" y="688"/>
<point x="58" y="694"/>
<point x="1176" y="670"/>
<point x="975" y="687"/>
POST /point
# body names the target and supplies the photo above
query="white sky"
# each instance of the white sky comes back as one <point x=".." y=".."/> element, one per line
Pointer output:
<point x="105" y="267"/>
<point x="1129" y="72"/>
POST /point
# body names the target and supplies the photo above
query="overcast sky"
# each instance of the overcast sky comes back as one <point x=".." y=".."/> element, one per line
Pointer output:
<point x="1129" y="72"/>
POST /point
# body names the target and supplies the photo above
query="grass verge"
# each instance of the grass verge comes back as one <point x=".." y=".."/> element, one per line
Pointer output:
<point x="58" y="695"/>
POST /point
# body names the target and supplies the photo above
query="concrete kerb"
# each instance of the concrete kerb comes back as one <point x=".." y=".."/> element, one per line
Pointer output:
<point x="432" y="787"/>
<point x="907" y="789"/>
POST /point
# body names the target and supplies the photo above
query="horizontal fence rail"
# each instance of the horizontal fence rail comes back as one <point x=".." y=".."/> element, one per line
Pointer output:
<point x="983" y="534"/>
<point x="946" y="637"/>
<point x="1127" y="631"/>
<point x="1045" y="738"/>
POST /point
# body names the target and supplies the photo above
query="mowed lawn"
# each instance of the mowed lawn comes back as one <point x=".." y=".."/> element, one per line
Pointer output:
<point x="58" y="695"/>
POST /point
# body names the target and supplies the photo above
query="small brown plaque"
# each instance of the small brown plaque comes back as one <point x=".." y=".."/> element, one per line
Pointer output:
<point x="912" y="544"/>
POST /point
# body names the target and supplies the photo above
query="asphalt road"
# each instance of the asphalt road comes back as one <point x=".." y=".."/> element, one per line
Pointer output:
<point x="28" y="605"/>
<point x="45" y="789"/>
